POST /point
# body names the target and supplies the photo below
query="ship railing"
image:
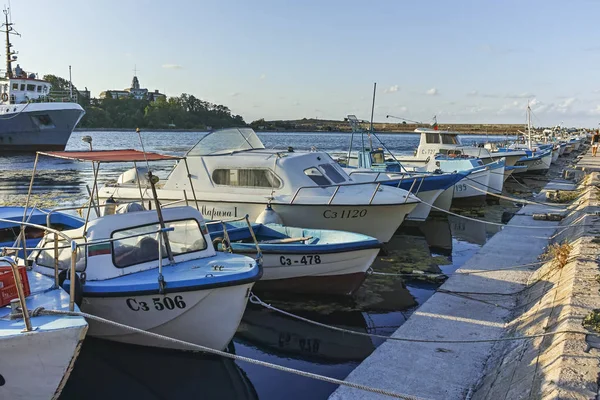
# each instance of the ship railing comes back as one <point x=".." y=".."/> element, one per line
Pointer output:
<point x="337" y="188"/>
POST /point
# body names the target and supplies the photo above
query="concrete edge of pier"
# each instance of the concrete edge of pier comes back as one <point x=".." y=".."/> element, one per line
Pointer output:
<point x="542" y="298"/>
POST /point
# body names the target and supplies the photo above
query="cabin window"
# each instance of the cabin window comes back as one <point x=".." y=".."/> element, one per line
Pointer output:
<point x="432" y="137"/>
<point x="15" y="86"/>
<point x="317" y="176"/>
<point x="262" y="178"/>
<point x="143" y="247"/>
<point x="449" y="139"/>
<point x="39" y="88"/>
<point x="22" y="87"/>
<point x="332" y="173"/>
<point x="31" y="88"/>
<point x="45" y="258"/>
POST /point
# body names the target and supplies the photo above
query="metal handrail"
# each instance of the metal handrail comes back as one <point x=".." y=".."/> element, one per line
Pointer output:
<point x="20" y="292"/>
<point x="333" y="185"/>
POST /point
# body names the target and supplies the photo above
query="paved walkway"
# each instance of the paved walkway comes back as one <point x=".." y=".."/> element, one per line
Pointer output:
<point x="451" y="371"/>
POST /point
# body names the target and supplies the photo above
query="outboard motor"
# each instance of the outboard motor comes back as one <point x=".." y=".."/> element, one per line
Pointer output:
<point x="269" y="216"/>
<point x="110" y="205"/>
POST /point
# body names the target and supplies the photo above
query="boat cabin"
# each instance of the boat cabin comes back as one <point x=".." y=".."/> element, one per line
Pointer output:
<point x="133" y="245"/>
<point x="23" y="88"/>
<point x="434" y="142"/>
<point x="235" y="160"/>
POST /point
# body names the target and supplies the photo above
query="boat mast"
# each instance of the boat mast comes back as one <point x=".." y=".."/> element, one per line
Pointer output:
<point x="8" y="30"/>
<point x="528" y="126"/>
<point x="372" y="111"/>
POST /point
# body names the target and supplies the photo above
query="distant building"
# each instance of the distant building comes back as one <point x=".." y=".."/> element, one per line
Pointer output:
<point x="135" y="91"/>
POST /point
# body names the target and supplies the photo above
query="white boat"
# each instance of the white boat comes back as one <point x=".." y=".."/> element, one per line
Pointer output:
<point x="433" y="141"/>
<point x="125" y="281"/>
<point x="36" y="360"/>
<point x="230" y="174"/>
<point x="31" y="116"/>
<point x="298" y="260"/>
<point x="115" y="263"/>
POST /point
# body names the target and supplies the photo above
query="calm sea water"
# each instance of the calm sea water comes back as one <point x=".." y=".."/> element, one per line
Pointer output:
<point x="111" y="370"/>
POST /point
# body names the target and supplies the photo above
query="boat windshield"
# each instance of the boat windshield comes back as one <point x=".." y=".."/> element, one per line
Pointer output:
<point x="225" y="141"/>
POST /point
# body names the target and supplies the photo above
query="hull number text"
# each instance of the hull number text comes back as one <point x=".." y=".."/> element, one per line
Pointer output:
<point x="158" y="303"/>
<point x="352" y="213"/>
<point x="304" y="260"/>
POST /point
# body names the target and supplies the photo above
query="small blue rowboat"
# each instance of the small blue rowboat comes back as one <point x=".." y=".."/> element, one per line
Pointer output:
<point x="298" y="260"/>
<point x="9" y="231"/>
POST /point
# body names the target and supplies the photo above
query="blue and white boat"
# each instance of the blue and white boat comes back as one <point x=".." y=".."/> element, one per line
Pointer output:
<point x="36" y="361"/>
<point x="115" y="265"/>
<point x="373" y="166"/>
<point x="298" y="260"/>
<point x="10" y="231"/>
<point x="198" y="297"/>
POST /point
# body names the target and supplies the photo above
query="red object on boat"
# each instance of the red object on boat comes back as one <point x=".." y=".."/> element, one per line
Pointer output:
<point x="109" y="156"/>
<point x="8" y="287"/>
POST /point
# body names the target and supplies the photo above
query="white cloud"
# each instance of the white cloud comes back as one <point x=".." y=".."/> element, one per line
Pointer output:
<point x="432" y="92"/>
<point x="473" y="93"/>
<point x="172" y="66"/>
<point x="523" y="95"/>
<point x="595" y="111"/>
<point x="263" y="77"/>
<point x="392" y="89"/>
<point x="234" y="94"/>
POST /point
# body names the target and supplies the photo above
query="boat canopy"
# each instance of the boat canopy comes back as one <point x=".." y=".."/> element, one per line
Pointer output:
<point x="226" y="141"/>
<point x="109" y="156"/>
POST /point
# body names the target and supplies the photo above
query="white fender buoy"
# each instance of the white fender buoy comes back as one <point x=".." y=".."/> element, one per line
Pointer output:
<point x="269" y="216"/>
<point x="110" y="205"/>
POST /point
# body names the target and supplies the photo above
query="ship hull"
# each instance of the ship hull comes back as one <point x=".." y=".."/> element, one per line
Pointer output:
<point x="37" y="126"/>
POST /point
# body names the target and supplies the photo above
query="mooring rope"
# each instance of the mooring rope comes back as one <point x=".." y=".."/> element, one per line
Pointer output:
<point x="518" y="200"/>
<point x="255" y="300"/>
<point x="197" y="347"/>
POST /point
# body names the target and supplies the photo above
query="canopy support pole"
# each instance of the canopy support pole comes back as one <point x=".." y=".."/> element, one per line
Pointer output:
<point x="22" y="233"/>
<point x="139" y="183"/>
<point x="94" y="186"/>
<point x="161" y="221"/>
<point x="187" y="168"/>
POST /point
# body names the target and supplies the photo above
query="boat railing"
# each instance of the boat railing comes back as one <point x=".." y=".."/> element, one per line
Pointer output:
<point x="246" y="218"/>
<point x="20" y="292"/>
<point x="337" y="188"/>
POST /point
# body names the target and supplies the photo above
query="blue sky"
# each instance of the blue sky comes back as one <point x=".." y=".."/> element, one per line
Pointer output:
<point x="474" y="61"/>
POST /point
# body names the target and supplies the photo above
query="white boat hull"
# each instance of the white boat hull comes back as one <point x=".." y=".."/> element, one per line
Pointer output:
<point x="474" y="186"/>
<point x="209" y="318"/>
<point x="444" y="200"/>
<point x="36" y="366"/>
<point x="496" y="181"/>
<point x="421" y="212"/>
<point x="378" y="221"/>
<point x="338" y="273"/>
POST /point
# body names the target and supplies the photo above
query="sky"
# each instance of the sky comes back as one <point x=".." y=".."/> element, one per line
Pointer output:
<point x="465" y="61"/>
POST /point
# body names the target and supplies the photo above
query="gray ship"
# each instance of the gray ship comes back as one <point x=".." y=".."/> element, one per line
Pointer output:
<point x="32" y="117"/>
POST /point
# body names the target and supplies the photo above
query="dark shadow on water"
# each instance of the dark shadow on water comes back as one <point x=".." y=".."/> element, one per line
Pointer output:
<point x="110" y="370"/>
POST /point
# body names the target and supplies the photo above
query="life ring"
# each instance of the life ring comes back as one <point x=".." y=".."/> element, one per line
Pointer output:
<point x="4" y="96"/>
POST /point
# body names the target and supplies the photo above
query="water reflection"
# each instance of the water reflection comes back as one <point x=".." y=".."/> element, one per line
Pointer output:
<point x="285" y="336"/>
<point x="110" y="370"/>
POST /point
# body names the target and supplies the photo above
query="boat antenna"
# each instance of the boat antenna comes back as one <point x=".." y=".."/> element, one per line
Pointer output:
<point x="9" y="30"/>
<point x="372" y="112"/>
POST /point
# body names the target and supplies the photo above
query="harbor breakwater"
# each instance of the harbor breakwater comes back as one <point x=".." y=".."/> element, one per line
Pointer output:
<point x="519" y="320"/>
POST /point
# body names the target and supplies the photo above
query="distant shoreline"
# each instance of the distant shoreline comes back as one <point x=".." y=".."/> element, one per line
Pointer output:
<point x="290" y="131"/>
